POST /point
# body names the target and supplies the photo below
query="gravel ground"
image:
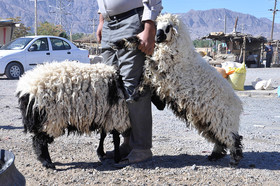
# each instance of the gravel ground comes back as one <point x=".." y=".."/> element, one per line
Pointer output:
<point x="180" y="154"/>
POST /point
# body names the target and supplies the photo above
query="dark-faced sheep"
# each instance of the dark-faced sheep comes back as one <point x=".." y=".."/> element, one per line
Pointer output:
<point x="70" y="97"/>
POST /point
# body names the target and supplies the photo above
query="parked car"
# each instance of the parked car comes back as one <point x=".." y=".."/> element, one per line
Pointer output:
<point x="25" y="53"/>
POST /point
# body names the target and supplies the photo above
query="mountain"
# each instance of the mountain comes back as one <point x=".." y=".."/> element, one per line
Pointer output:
<point x="200" y="23"/>
<point x="81" y="16"/>
<point x="76" y="13"/>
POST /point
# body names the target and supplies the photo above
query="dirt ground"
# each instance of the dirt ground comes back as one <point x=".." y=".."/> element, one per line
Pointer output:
<point x="180" y="154"/>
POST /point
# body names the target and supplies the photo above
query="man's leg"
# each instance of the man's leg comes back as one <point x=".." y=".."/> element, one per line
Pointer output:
<point x="268" y="60"/>
<point x="111" y="58"/>
<point x="130" y="64"/>
<point x="131" y="69"/>
<point x="141" y="121"/>
<point x="140" y="136"/>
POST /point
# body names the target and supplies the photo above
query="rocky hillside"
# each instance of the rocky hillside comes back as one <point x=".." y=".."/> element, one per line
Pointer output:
<point x="79" y="16"/>
<point x="203" y="22"/>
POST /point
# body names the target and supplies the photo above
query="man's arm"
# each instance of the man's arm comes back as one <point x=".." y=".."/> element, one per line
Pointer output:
<point x="147" y="38"/>
<point x="99" y="28"/>
<point x="152" y="9"/>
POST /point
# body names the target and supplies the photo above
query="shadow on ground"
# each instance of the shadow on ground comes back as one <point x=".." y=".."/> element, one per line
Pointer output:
<point x="251" y="160"/>
<point x="8" y="127"/>
<point x="5" y="78"/>
<point x="248" y="87"/>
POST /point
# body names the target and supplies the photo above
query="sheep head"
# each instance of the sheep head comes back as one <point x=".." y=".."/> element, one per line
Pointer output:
<point x="167" y="25"/>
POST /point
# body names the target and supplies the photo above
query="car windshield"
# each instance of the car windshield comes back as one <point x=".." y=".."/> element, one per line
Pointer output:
<point x="17" y="44"/>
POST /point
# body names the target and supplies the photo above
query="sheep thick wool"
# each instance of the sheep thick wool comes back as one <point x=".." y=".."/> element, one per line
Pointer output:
<point x="193" y="89"/>
<point x="75" y="94"/>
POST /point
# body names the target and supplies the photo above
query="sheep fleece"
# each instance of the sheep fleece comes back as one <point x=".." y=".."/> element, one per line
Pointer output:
<point x="76" y="94"/>
<point x="200" y="94"/>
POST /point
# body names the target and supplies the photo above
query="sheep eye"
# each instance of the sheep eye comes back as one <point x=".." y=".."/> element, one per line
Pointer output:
<point x="167" y="29"/>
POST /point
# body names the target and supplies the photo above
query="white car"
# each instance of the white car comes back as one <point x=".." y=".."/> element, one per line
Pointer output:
<point x="25" y="53"/>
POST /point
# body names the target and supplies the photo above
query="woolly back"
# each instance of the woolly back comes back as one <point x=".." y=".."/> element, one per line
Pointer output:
<point x="76" y="94"/>
<point x="59" y="74"/>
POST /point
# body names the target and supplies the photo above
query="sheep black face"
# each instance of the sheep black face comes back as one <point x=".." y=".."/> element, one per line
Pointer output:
<point x="164" y="32"/>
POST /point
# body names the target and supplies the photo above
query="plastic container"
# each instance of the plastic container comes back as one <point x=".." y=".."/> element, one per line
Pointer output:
<point x="9" y="175"/>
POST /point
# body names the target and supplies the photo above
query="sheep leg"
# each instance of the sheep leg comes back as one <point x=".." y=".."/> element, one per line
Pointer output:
<point x="100" y="149"/>
<point x="160" y="104"/>
<point x="219" y="151"/>
<point x="116" y="139"/>
<point x="236" y="153"/>
<point x="40" y="146"/>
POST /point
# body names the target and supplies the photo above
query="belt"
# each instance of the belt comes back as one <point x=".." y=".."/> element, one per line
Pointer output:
<point x="124" y="15"/>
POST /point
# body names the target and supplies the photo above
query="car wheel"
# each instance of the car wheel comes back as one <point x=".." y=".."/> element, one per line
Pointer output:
<point x="13" y="70"/>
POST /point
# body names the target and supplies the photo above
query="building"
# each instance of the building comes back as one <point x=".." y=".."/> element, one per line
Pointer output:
<point x="237" y="44"/>
<point x="6" y="31"/>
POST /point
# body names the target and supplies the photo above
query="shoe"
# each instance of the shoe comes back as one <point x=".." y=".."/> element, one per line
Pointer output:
<point x="124" y="151"/>
<point x="135" y="156"/>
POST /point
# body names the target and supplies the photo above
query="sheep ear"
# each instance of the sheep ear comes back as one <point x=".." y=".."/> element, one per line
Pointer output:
<point x="175" y="30"/>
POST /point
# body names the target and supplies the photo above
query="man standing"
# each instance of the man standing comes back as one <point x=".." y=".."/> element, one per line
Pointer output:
<point x="120" y="19"/>
<point x="269" y="54"/>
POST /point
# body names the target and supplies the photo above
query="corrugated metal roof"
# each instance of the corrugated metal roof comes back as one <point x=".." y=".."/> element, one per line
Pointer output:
<point x="221" y="36"/>
<point x="6" y="22"/>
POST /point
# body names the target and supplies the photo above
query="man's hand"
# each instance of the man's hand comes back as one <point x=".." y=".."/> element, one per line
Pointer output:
<point x="99" y="28"/>
<point x="147" y="38"/>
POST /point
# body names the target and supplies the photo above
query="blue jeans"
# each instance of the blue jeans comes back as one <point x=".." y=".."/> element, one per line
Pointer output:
<point x="268" y="60"/>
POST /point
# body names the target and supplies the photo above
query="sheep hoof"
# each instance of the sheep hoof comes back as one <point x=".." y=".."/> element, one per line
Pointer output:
<point x="235" y="158"/>
<point x="48" y="165"/>
<point x="216" y="156"/>
<point x="102" y="157"/>
<point x="236" y="153"/>
<point x="233" y="164"/>
<point x="235" y="161"/>
<point x="218" y="152"/>
<point x="117" y="158"/>
<point x="160" y="104"/>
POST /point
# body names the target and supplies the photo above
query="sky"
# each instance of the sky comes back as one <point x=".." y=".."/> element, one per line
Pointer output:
<point x="257" y="8"/>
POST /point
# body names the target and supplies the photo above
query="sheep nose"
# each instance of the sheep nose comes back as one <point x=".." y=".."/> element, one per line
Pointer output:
<point x="160" y="37"/>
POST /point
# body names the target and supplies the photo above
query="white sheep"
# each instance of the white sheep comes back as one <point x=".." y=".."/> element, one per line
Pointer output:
<point x="75" y="96"/>
<point x="194" y="90"/>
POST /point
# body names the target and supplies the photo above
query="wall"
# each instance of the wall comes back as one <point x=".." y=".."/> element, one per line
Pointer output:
<point x="5" y="35"/>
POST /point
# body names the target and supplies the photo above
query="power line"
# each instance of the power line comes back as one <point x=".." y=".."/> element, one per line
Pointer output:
<point x="61" y="10"/>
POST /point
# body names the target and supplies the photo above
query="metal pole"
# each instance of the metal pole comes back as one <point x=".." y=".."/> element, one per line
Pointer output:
<point x="235" y="25"/>
<point x="35" y="2"/>
<point x="244" y="49"/>
<point x="261" y="55"/>
<point x="276" y="59"/>
<point x="274" y="12"/>
<point x="225" y="24"/>
<point x="60" y="8"/>
<point x="93" y="22"/>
